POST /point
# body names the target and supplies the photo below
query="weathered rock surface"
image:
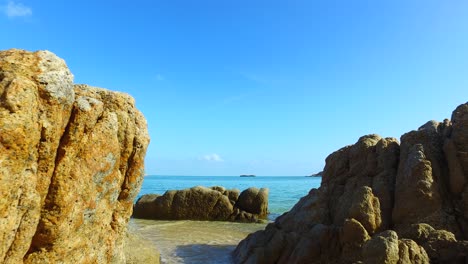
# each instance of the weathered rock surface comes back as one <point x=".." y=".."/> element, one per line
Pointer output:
<point x="379" y="202"/>
<point x="201" y="203"/>
<point x="385" y="248"/>
<point x="71" y="164"/>
<point x="254" y="201"/>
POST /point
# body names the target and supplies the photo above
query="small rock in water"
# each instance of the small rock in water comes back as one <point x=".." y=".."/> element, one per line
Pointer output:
<point x="201" y="203"/>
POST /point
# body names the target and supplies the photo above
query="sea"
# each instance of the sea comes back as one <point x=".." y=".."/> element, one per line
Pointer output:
<point x="213" y="241"/>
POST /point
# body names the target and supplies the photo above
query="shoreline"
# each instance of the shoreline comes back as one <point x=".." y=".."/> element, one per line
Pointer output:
<point x="189" y="241"/>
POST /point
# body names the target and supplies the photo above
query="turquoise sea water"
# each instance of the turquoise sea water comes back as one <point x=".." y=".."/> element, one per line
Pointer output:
<point x="212" y="242"/>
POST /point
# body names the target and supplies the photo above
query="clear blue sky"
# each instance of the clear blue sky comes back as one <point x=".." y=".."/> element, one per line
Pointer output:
<point x="264" y="87"/>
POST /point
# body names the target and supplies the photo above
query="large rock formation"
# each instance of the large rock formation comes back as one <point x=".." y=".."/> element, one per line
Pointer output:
<point x="379" y="202"/>
<point x="71" y="164"/>
<point x="201" y="203"/>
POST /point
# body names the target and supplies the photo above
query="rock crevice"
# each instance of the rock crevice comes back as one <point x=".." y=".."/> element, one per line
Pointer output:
<point x="71" y="163"/>
<point x="380" y="202"/>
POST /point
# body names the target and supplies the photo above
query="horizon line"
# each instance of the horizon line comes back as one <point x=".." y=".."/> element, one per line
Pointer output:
<point x="225" y="175"/>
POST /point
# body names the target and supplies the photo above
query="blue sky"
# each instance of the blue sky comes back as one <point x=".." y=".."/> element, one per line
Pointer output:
<point x="262" y="87"/>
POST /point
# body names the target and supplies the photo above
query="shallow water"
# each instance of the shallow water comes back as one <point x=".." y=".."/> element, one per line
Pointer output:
<point x="194" y="241"/>
<point x="210" y="241"/>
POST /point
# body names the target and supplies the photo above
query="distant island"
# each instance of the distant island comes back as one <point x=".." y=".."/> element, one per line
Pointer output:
<point x="318" y="174"/>
<point x="247" y="175"/>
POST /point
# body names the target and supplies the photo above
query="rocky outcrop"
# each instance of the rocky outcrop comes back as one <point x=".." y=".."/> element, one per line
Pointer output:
<point x="71" y="164"/>
<point x="254" y="201"/>
<point x="201" y="203"/>
<point x="386" y="248"/>
<point x="379" y="202"/>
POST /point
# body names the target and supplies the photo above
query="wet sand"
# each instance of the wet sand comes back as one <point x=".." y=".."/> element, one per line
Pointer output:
<point x="194" y="241"/>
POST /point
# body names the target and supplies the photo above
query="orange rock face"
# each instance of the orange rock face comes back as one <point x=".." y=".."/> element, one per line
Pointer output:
<point x="379" y="202"/>
<point x="71" y="163"/>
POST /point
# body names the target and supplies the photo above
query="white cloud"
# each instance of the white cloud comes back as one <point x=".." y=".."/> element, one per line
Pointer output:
<point x="13" y="9"/>
<point x="212" y="157"/>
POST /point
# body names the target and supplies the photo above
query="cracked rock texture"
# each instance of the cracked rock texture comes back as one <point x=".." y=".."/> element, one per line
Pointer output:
<point x="380" y="202"/>
<point x="202" y="203"/>
<point x="71" y="163"/>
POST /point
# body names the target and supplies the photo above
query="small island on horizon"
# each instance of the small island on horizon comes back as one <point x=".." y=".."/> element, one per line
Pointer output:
<point x="318" y="174"/>
<point x="247" y="175"/>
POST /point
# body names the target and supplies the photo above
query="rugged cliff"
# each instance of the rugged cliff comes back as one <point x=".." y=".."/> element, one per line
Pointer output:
<point x="71" y="164"/>
<point x="380" y="202"/>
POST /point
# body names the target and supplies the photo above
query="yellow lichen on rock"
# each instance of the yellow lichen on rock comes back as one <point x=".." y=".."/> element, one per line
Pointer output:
<point x="71" y="163"/>
<point x="380" y="202"/>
